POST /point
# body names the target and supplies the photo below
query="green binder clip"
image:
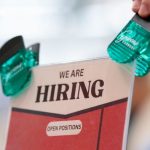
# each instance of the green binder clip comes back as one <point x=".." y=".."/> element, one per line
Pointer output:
<point x="133" y="43"/>
<point x="16" y="64"/>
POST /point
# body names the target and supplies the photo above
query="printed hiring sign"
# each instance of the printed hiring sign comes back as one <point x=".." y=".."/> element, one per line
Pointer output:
<point x="73" y="106"/>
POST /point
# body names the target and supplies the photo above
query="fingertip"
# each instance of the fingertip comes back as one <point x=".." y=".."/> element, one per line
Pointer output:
<point x="144" y="11"/>
<point x="136" y="5"/>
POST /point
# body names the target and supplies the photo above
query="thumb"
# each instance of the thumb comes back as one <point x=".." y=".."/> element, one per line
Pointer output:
<point x="144" y="10"/>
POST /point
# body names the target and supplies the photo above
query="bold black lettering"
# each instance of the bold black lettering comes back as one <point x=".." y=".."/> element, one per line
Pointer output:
<point x="73" y="92"/>
<point x="73" y="73"/>
<point x="85" y="90"/>
<point x="62" y="92"/>
<point x="99" y="92"/>
<point x="81" y="74"/>
<point x="44" y="93"/>
<point x="52" y="92"/>
<point x="64" y="74"/>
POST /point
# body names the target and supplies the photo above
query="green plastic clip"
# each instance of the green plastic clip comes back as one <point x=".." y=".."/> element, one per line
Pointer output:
<point x="16" y="64"/>
<point x="133" y="43"/>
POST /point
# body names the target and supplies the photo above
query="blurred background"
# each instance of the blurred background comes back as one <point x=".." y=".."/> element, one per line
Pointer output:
<point x="68" y="30"/>
<point x="71" y="23"/>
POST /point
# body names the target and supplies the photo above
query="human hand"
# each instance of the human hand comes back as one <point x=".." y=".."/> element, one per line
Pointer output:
<point x="142" y="7"/>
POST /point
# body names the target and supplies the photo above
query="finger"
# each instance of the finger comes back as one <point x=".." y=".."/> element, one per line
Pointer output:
<point x="136" y="5"/>
<point x="144" y="10"/>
